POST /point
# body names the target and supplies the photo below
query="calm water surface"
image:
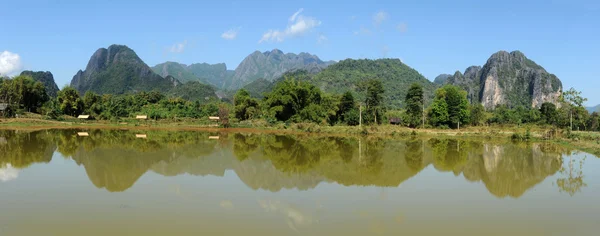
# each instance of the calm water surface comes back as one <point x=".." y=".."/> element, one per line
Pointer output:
<point x="189" y="183"/>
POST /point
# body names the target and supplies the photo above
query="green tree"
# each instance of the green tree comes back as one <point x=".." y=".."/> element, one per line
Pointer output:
<point x="478" y="115"/>
<point x="548" y="113"/>
<point x="69" y="101"/>
<point x="299" y="101"/>
<point x="593" y="123"/>
<point x="347" y="105"/>
<point x="414" y="105"/>
<point x="374" y="100"/>
<point x="22" y="92"/>
<point x="438" y="111"/>
<point x="92" y="103"/>
<point x="450" y="107"/>
<point x="573" y="101"/>
<point x="246" y="107"/>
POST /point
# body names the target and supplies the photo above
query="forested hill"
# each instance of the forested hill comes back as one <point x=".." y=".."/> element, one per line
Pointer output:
<point x="118" y="70"/>
<point x="45" y="78"/>
<point x="352" y="75"/>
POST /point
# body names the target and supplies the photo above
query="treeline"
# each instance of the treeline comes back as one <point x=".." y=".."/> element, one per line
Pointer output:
<point x="23" y="94"/>
<point x="293" y="100"/>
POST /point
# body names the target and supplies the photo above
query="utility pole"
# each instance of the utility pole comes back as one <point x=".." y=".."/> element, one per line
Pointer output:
<point x="360" y="115"/>
<point x="571" y="117"/>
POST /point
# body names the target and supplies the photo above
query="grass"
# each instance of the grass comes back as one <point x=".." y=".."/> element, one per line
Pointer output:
<point x="585" y="141"/>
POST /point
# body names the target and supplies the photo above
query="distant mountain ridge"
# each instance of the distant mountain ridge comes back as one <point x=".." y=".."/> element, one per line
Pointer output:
<point x="441" y="79"/>
<point x="273" y="64"/>
<point x="510" y="79"/>
<point x="268" y="65"/>
<point x="117" y="70"/>
<point x="214" y="74"/>
<point x="594" y="109"/>
<point x="351" y="75"/>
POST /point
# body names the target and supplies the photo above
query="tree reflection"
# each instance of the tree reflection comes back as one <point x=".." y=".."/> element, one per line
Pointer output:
<point x="116" y="159"/>
<point x="414" y="154"/>
<point x="572" y="180"/>
<point x="21" y="149"/>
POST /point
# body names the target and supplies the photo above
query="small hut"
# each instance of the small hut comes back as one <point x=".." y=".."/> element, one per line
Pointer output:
<point x="395" y="121"/>
<point x="84" y="117"/>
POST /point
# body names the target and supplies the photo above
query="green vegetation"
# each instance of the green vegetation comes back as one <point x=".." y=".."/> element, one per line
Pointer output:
<point x="246" y="107"/>
<point x="22" y="93"/>
<point x="450" y="107"/>
<point x="394" y="75"/>
<point x="414" y="106"/>
<point x="194" y="91"/>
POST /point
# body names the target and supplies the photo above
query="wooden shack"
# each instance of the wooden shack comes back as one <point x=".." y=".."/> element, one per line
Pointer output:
<point x="395" y="121"/>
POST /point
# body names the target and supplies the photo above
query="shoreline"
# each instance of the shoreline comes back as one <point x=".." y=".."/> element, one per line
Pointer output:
<point x="584" y="141"/>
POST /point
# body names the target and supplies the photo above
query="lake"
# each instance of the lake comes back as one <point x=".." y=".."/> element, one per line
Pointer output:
<point x="116" y="182"/>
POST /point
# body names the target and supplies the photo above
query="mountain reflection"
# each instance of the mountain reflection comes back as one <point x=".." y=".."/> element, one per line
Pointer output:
<point x="116" y="159"/>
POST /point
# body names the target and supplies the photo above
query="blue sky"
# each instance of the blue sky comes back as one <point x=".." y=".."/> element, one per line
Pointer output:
<point x="433" y="37"/>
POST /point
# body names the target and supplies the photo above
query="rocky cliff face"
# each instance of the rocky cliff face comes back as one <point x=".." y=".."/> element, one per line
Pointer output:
<point x="510" y="79"/>
<point x="118" y="70"/>
<point x="45" y="78"/>
<point x="271" y="65"/>
<point x="214" y="74"/>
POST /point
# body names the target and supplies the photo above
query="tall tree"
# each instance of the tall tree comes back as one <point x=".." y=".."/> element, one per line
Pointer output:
<point x="477" y="114"/>
<point x="246" y="107"/>
<point x="548" y="113"/>
<point x="347" y="108"/>
<point x="574" y="102"/>
<point x="414" y="105"/>
<point x="374" y="100"/>
<point x="450" y="107"/>
<point x="69" y="101"/>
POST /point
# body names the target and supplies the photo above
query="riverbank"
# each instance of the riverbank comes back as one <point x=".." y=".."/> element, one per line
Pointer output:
<point x="585" y="141"/>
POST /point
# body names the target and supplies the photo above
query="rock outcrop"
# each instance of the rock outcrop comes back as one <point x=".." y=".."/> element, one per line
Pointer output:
<point x="118" y="70"/>
<point x="271" y="65"/>
<point x="509" y="79"/>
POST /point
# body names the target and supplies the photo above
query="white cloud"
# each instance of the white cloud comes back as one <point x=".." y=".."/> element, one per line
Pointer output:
<point x="380" y="17"/>
<point x="293" y="17"/>
<point x="322" y="39"/>
<point x="178" y="47"/>
<point x="9" y="63"/>
<point x="402" y="27"/>
<point x="231" y="34"/>
<point x="8" y="173"/>
<point x="298" y="25"/>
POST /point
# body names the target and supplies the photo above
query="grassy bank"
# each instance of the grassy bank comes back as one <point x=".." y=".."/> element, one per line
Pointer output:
<point x="585" y="141"/>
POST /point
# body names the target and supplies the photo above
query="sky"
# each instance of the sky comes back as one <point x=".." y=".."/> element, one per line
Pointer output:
<point x="433" y="37"/>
